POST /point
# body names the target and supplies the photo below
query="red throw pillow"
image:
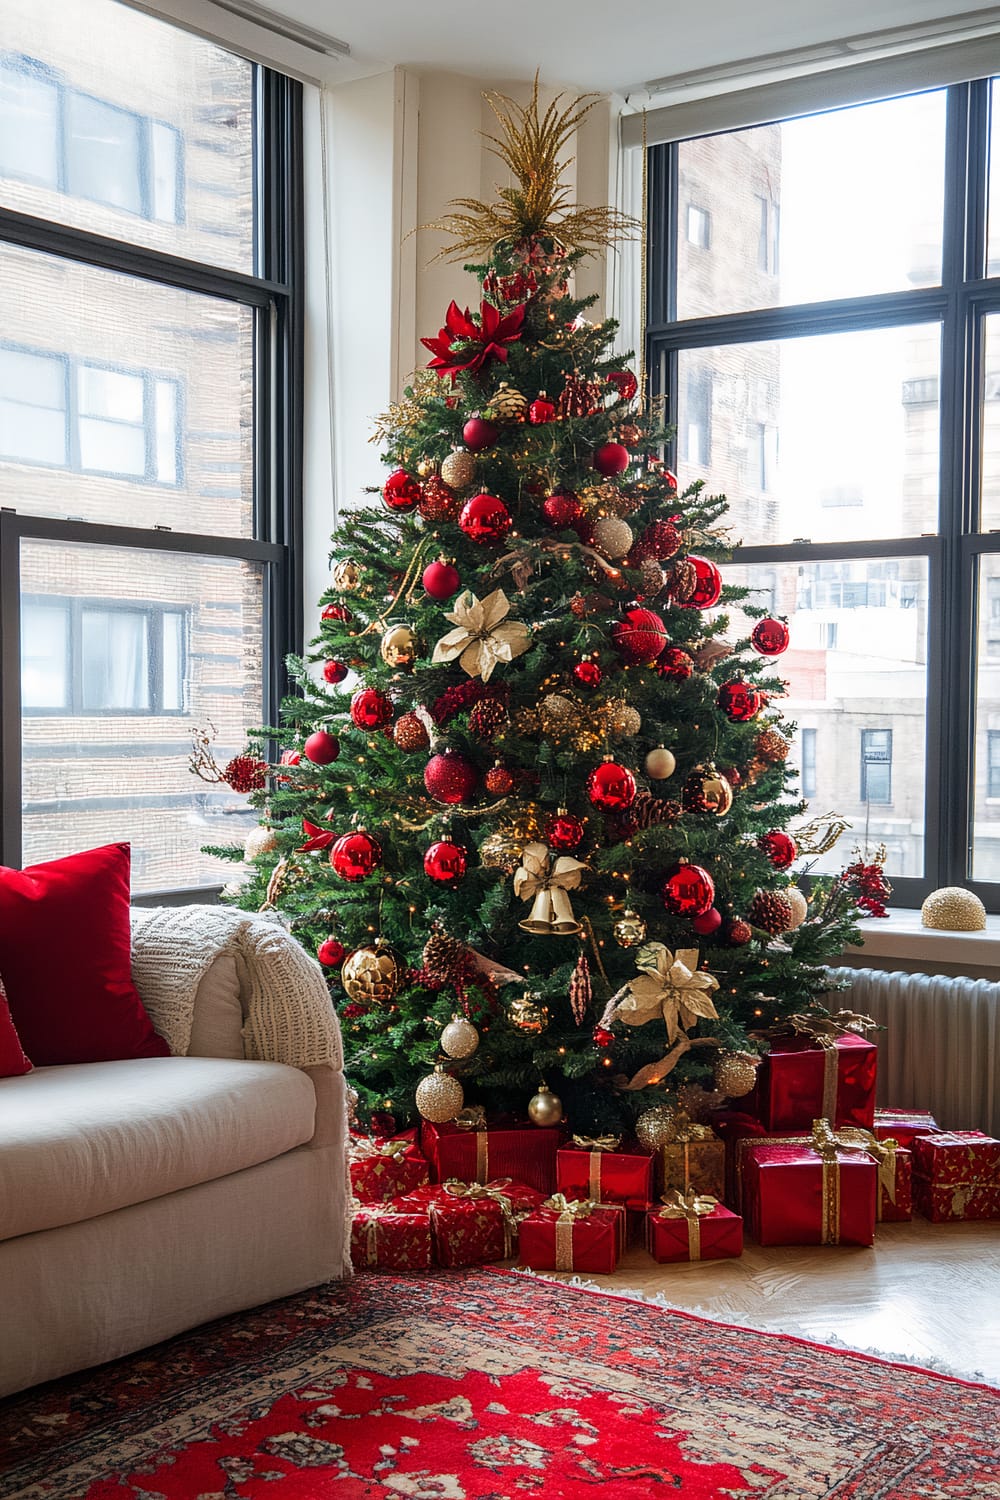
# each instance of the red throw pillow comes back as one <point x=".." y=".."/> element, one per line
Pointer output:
<point x="65" y="950"/>
<point x="12" y="1059"/>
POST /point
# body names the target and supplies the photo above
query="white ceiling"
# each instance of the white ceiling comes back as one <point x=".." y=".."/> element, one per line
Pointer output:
<point x="592" y="44"/>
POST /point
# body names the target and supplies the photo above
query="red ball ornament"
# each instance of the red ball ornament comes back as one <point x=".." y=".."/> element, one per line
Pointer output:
<point x="739" y="701"/>
<point x="438" y="501"/>
<point x="321" y="747"/>
<point x="640" y="636"/>
<point x="401" y="492"/>
<point x="603" y="1037"/>
<point x="334" y="672"/>
<point x="485" y="518"/>
<point x="449" y="777"/>
<point x="664" y="538"/>
<point x="541" y="410"/>
<point x="588" y="674"/>
<point x="739" y="933"/>
<point x="562" y="510"/>
<point x="478" y="434"/>
<point x="441" y="579"/>
<point x="564" y="831"/>
<point x="611" y="787"/>
<point x="710" y="921"/>
<point x="355" y="855"/>
<point x="689" y="891"/>
<point x="498" y="781"/>
<point x="336" y="612"/>
<point x="611" y="458"/>
<point x="675" y="664"/>
<point x="370" y="709"/>
<point x="624" y="383"/>
<point x="331" y="953"/>
<point x="780" y="848"/>
<point x="708" y="587"/>
<point x="770" y="637"/>
<point x="446" y="862"/>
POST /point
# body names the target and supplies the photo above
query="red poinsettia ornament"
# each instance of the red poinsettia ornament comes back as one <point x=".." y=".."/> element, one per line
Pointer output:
<point x="464" y="344"/>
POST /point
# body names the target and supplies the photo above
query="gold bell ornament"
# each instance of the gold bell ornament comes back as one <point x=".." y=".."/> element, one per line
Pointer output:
<point x="459" y="1038"/>
<point x="439" y="1096"/>
<point x="545" y="1107"/>
<point x="546" y="882"/>
<point x="398" y="647"/>
<point x="372" y="976"/>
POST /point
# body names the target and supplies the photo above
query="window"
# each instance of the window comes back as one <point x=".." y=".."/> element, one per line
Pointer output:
<point x="876" y="765"/>
<point x="993" y="763"/>
<point x="150" y="375"/>
<point x="808" y="762"/>
<point x="875" y="360"/>
<point x="699" y="227"/>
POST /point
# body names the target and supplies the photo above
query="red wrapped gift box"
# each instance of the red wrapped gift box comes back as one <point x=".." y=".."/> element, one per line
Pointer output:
<point x="904" y="1125"/>
<point x="735" y="1127"/>
<point x="390" y="1238"/>
<point x="573" y="1236"/>
<point x="689" y="1226"/>
<point x="383" y="1170"/>
<point x="799" y="1081"/>
<point x="473" y="1223"/>
<point x="793" y="1195"/>
<point x="525" y="1153"/>
<point x="604" y="1173"/>
<point x="956" y="1175"/>
<point x="897" y="1206"/>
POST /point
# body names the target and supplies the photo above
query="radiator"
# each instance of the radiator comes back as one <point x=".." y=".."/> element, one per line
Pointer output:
<point x="940" y="1049"/>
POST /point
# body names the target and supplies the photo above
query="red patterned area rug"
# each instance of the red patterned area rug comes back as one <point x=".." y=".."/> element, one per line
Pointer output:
<point x="489" y="1386"/>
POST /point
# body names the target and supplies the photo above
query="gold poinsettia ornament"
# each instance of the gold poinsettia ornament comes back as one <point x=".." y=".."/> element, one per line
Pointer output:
<point x="483" y="636"/>
<point x="671" y="985"/>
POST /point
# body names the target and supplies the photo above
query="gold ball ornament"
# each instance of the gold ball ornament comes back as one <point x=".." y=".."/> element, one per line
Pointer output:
<point x="501" y="851"/>
<point x="527" y="1013"/>
<point x="952" y="909"/>
<point x="559" y="715"/>
<point x="707" y="790"/>
<point x="372" y="976"/>
<point x="652" y="1128"/>
<point x="630" y="929"/>
<point x="624" y="721"/>
<point x="459" y="469"/>
<point x="459" y="1038"/>
<point x="507" y="405"/>
<point x="735" y="1073"/>
<point x="425" y="468"/>
<point x="439" y="1097"/>
<point x="398" y="647"/>
<point x="346" y="576"/>
<point x="613" y="537"/>
<point x="545" y="1107"/>
<point x="259" y="841"/>
<point x="660" y="764"/>
<point x="800" y="906"/>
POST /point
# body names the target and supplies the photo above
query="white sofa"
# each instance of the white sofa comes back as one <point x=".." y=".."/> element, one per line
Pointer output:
<point x="141" y="1198"/>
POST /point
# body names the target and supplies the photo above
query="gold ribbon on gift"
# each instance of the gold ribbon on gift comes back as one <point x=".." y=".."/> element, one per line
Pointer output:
<point x="495" y="1192"/>
<point x="854" y="1138"/>
<point x="693" y="1207"/>
<point x="374" y="1213"/>
<point x="363" y="1149"/>
<point x="826" y="1142"/>
<point x="547" y="880"/>
<point x="473" y="1117"/>
<point x="596" y="1145"/>
<point x="569" y="1210"/>
<point x="670" y="985"/>
<point x="483" y="636"/>
<point x="823" y="1028"/>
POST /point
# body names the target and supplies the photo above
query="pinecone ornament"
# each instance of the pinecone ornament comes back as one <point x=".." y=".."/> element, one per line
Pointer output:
<point x="445" y="958"/>
<point x="648" y="811"/>
<point x="683" y="580"/>
<point x="653" y="577"/>
<point x="772" y="911"/>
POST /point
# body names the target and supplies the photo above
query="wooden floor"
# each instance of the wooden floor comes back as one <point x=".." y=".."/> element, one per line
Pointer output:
<point x="925" y="1292"/>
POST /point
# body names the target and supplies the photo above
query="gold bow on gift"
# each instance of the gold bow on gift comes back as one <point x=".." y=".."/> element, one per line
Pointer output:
<point x="496" y="1193"/>
<point x="828" y="1141"/>
<point x="547" y="880"/>
<point x="361" y="1148"/>
<point x="682" y="1130"/>
<point x="472" y="1117"/>
<point x="598" y="1142"/>
<point x="821" y="1027"/>
<point x="569" y="1210"/>
<point x="479" y="640"/>
<point x="693" y="1207"/>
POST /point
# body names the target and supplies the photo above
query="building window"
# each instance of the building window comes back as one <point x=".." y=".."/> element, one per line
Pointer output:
<point x="876" y="765"/>
<point x="763" y="456"/>
<point x="768" y="234"/>
<point x="102" y="657"/>
<point x="993" y="763"/>
<point x="697" y="418"/>
<point x="808" y="763"/>
<point x="699" y="227"/>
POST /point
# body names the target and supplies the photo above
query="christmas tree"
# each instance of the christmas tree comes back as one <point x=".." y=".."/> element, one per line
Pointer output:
<point x="533" y="817"/>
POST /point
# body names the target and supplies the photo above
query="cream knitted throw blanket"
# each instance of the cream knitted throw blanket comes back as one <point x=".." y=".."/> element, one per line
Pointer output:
<point x="287" y="1014"/>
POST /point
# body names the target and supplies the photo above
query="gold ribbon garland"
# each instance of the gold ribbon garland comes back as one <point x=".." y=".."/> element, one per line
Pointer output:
<point x="693" y="1207"/>
<point x="548" y="880"/>
<point x="482" y="637"/>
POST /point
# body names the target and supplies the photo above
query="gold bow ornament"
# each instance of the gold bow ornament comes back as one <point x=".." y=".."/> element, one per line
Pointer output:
<point x="569" y="1211"/>
<point x="494" y="1192"/>
<point x="483" y="636"/>
<point x="546" y="881"/>
<point x="672" y="986"/>
<point x="691" y="1206"/>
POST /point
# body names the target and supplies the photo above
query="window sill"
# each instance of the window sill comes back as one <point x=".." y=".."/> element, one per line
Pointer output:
<point x="901" y="936"/>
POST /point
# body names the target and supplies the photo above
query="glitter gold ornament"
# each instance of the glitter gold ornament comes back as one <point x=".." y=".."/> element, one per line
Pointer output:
<point x="660" y="764"/>
<point x="526" y="722"/>
<point x="771" y="747"/>
<point x="398" y="647"/>
<point x="952" y="909"/>
<point x="558" y="715"/>
<point x="653" y="1127"/>
<point x="630" y="929"/>
<point x="439" y="1097"/>
<point x="346" y="576"/>
<point x="799" y="905"/>
<point x="501" y="850"/>
<point x="624" y="721"/>
<point x="458" y="470"/>
<point x="527" y="1013"/>
<point x="735" y="1073"/>
<point x="613" y="537"/>
<point x="459" y="1038"/>
<point x="372" y="976"/>
<point x="545" y="1107"/>
<point x="259" y="841"/>
<point x="507" y="405"/>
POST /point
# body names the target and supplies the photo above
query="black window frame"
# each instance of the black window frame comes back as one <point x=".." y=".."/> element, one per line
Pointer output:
<point x="274" y="293"/>
<point x="960" y="304"/>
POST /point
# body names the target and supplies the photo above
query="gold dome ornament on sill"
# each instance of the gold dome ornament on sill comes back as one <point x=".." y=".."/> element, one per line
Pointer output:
<point x="953" y="909"/>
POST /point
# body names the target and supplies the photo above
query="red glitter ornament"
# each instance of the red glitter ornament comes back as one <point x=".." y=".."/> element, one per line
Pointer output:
<point x="334" y="672"/>
<point x="780" y="848"/>
<point x="449" y="777"/>
<point x="689" y="891"/>
<point x="710" y="921"/>
<point x="674" y="663"/>
<point x="370" y="709"/>
<point x="485" y="518"/>
<point x="331" y="953"/>
<point x="611" y="458"/>
<point x="410" y="733"/>
<point x="438" y="501"/>
<point x="441" y="579"/>
<point x="640" y="636"/>
<point x="739" y="701"/>
<point x="588" y="674"/>
<point x="708" y="584"/>
<point x="770" y="637"/>
<point x="355" y="855"/>
<point x="446" y="862"/>
<point x="739" y="933"/>
<point x="478" y="434"/>
<point x="245" y="773"/>
<point x="563" y="830"/>
<point x="664" y="538"/>
<point x="603" y="1037"/>
<point x="321" y="747"/>
<point x="624" y="383"/>
<point x="336" y="612"/>
<point x="562" y="509"/>
<point x="498" y="781"/>
<point x="541" y="410"/>
<point x="611" y="787"/>
<point x="401" y="492"/>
